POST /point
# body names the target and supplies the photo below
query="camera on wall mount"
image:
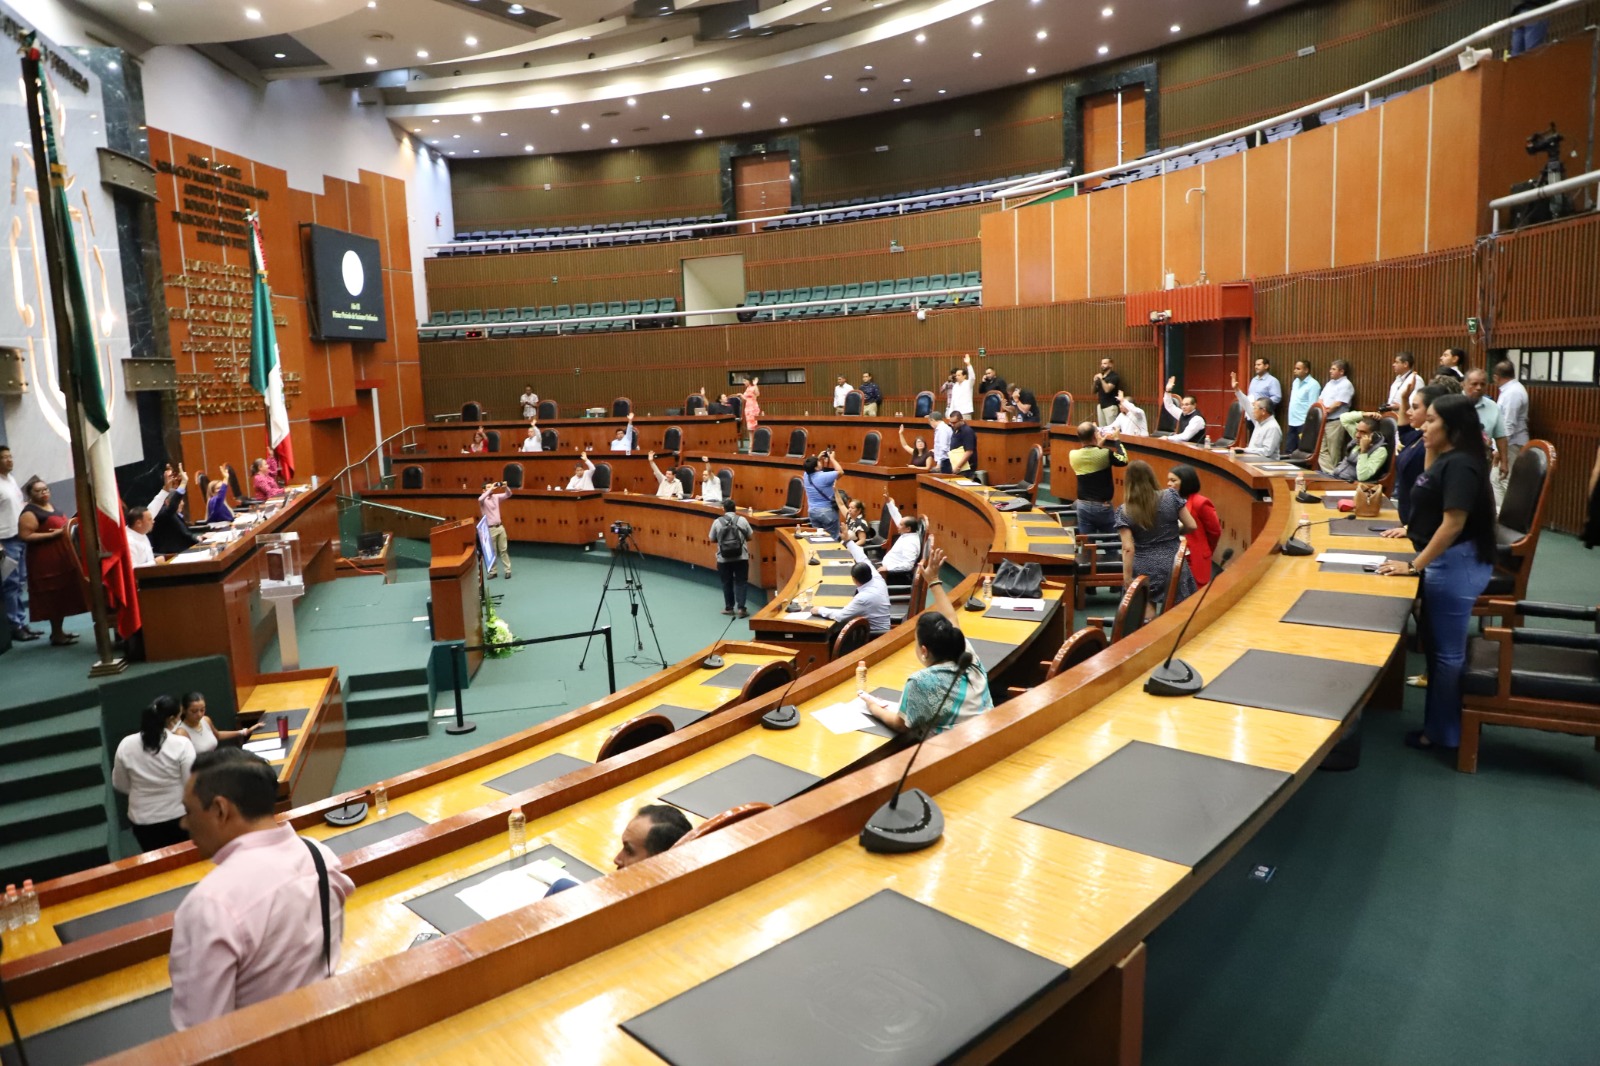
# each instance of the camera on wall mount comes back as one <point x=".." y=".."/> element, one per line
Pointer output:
<point x="1158" y="317"/>
<point x="1547" y="143"/>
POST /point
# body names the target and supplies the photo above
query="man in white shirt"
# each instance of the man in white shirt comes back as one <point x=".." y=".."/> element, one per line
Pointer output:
<point x="668" y="487"/>
<point x="140" y="522"/>
<point x="841" y="390"/>
<point x="530" y="402"/>
<point x="1130" y="420"/>
<point x="961" y="389"/>
<point x="1513" y="401"/>
<point x="900" y="561"/>
<point x="1186" y="413"/>
<point x="532" y="442"/>
<point x="624" y="440"/>
<point x="582" y="479"/>
<point x="1406" y="379"/>
<point x="1337" y="396"/>
<point x="710" y="484"/>
<point x="1266" y="439"/>
<point x="14" y="558"/>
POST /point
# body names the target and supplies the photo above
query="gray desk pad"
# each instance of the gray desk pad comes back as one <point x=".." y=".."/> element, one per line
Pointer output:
<point x="753" y="779"/>
<point x="1048" y="534"/>
<point x="1022" y="616"/>
<point x="126" y="914"/>
<point x="88" y="1039"/>
<point x="536" y="773"/>
<point x="1350" y="610"/>
<point x="991" y="652"/>
<point x="836" y="590"/>
<point x="834" y="553"/>
<point x="1298" y="684"/>
<point x="1352" y="568"/>
<point x="891" y="696"/>
<point x="1045" y="547"/>
<point x="889" y="981"/>
<point x="1040" y="519"/>
<point x="269" y="721"/>
<point x="442" y="910"/>
<point x="1332" y="502"/>
<point x="1159" y="801"/>
<point x="732" y="677"/>
<point x="1362" y="527"/>
<point x="382" y="829"/>
<point x="679" y="716"/>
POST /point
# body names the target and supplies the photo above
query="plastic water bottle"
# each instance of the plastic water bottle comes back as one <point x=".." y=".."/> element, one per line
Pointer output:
<point x="1299" y="484"/>
<point x="517" y="823"/>
<point x="988" y="588"/>
<point x="13" y="911"/>
<point x="30" y="903"/>
<point x="380" y="799"/>
<point x="1206" y="440"/>
<point x="861" y="676"/>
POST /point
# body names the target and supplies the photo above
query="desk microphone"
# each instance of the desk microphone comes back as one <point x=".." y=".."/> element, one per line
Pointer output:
<point x="895" y="829"/>
<point x="351" y="813"/>
<point x="786" y="715"/>
<point x="1295" y="546"/>
<point x="1176" y="677"/>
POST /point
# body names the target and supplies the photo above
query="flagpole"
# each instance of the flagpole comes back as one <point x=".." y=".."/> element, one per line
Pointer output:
<point x="88" y="523"/>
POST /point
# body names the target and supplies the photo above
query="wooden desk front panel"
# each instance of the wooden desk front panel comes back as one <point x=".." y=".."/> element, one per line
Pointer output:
<point x="701" y="434"/>
<point x="962" y="523"/>
<point x="677" y="529"/>
<point x="532" y="516"/>
<point x="1002" y="446"/>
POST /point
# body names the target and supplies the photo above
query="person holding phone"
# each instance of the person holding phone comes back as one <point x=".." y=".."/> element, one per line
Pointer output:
<point x="494" y="492"/>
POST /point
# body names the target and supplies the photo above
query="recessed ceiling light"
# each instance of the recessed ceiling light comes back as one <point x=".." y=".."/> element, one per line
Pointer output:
<point x="452" y="153"/>
<point x="905" y="81"/>
<point x="252" y="14"/>
<point x="1105" y="12"/>
<point x="422" y="53"/>
<point x="475" y="151"/>
<point x="705" y="88"/>
<point x="745" y="105"/>
<point x="584" y="126"/>
<point x="1103" y="49"/>
<point x="434" y="141"/>
<point x="613" y="140"/>
<point x="941" y="92"/>
<point x="867" y="67"/>
<point x="527" y="148"/>
<point x="372" y="3"/>
<point x="1252" y="3"/>
<point x="698" y="132"/>
<point x="279" y="55"/>
<point x="922" y="38"/>
<point x="417" y="130"/>
<point x="516" y="9"/>
<point x="1033" y="70"/>
<point x="555" y="111"/>
<point x="864" y="88"/>
<point x="435" y="122"/>
<point x="827" y="77"/>
<point x="477" y="118"/>
<point x="503" y="133"/>
<point x="977" y="55"/>
<point x="783" y="119"/>
<point x="897" y="99"/>
<point x="146" y="6"/>
<point x="827" y="9"/>
<point x="666" y="118"/>
<point x="372" y="61"/>
<point x="977" y="20"/>
<point x="1176" y="28"/>
<point x="632" y="102"/>
<point x="1041" y="35"/>
<point x="472" y="42"/>
<point x="455" y="136"/>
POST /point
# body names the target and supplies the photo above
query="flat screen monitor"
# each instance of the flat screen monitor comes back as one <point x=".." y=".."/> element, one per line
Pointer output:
<point x="347" y="277"/>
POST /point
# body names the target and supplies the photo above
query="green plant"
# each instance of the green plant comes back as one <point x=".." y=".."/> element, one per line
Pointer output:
<point x="496" y="634"/>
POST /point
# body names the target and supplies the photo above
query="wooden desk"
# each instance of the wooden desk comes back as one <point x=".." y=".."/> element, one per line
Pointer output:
<point x="213" y="606"/>
<point x="455" y="587"/>
<point x="529" y="514"/>
<point x="382" y="564"/>
<point x="676" y="529"/>
<point x="1002" y="446"/>
<point x="701" y="434"/>
<point x="311" y="762"/>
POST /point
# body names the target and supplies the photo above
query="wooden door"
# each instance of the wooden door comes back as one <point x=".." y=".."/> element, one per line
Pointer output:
<point x="1206" y="362"/>
<point x="760" y="185"/>
<point x="1113" y="128"/>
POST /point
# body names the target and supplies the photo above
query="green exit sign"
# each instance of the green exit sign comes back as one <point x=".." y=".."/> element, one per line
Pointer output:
<point x="982" y="351"/>
<point x="1472" y="326"/>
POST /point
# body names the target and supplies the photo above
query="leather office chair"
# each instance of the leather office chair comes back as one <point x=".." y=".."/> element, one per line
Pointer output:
<point x="411" y="477"/>
<point x="924" y="404"/>
<point x="722" y="821"/>
<point x="685" y="476"/>
<point x="1310" y="439"/>
<point x="761" y="441"/>
<point x="472" y="411"/>
<point x="768" y="678"/>
<point x="1028" y="487"/>
<point x="871" y="446"/>
<point x="1130" y="612"/>
<point x="725" y="475"/>
<point x="1061" y="410"/>
<point x="694" y="404"/>
<point x="853" y="402"/>
<point x="992" y="402"/>
<point x="549" y="409"/>
<point x="512" y="475"/>
<point x="493" y="436"/>
<point x="1516" y="531"/>
<point x="794" y="500"/>
<point x="1531" y="678"/>
<point x="621" y="407"/>
<point x="672" y="440"/>
<point x="549" y="438"/>
<point x="797" y="443"/>
<point x="1074" y="650"/>
<point x="634" y="733"/>
<point x="1233" y="424"/>
<point x="602" y="476"/>
<point x="851" y="638"/>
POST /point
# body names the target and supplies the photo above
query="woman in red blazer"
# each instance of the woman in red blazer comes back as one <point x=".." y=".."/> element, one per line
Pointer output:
<point x="1207" y="528"/>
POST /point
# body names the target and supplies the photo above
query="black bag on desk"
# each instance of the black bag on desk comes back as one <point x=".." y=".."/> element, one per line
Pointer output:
<point x="1022" y="581"/>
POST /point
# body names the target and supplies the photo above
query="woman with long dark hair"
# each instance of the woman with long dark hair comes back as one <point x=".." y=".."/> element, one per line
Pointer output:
<point x="1408" y="463"/>
<point x="1202" y="539"/>
<point x="1151" y="521"/>
<point x="55" y="579"/>
<point x="1452" y="528"/>
<point x="151" y="766"/>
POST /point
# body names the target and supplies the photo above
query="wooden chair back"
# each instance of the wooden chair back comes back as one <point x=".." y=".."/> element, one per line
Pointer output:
<point x="722" y="821"/>
<point x="769" y="677"/>
<point x="851" y="638"/>
<point x="634" y="733"/>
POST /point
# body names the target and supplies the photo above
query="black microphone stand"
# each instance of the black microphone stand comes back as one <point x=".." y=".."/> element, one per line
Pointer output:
<point x="896" y="829"/>
<point x="1176" y="677"/>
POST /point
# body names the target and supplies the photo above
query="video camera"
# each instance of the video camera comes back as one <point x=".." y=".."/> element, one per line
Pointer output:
<point x="1546" y="141"/>
<point x="621" y="529"/>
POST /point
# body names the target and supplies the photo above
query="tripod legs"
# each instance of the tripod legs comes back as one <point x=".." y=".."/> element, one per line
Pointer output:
<point x="633" y="585"/>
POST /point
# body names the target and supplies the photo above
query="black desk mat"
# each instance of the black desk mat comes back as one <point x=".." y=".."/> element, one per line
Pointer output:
<point x="679" y="716"/>
<point x="87" y="1039"/>
<point x="1332" y="502"/>
<point x="1362" y="527"/>
<point x="990" y="652"/>
<point x="1159" y="801"/>
<point x="442" y="910"/>
<point x="536" y="773"/>
<point x="891" y="696"/>
<point x="1046" y="547"/>
<point x="753" y="779"/>
<point x="1298" y="684"/>
<point x="373" y="832"/>
<point x="889" y="981"/>
<point x="836" y="590"/>
<point x="269" y="721"/>
<point x="1022" y="616"/>
<point x="732" y="676"/>
<point x="1353" y="568"/>
<point x="1047" y="535"/>
<point x="833" y="553"/>
<point x="1350" y="610"/>
<point x="126" y="914"/>
<point x="1040" y="519"/>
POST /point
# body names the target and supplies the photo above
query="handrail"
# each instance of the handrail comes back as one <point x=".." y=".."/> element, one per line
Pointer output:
<point x="1543" y="192"/>
<point x="1063" y="177"/>
<point x="342" y="477"/>
<point x="914" y="297"/>
<point x="359" y="502"/>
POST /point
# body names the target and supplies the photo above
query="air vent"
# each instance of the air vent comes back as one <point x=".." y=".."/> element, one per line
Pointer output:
<point x="867" y="77"/>
<point x="641" y="129"/>
<point x="610" y="114"/>
<point x="380" y="36"/>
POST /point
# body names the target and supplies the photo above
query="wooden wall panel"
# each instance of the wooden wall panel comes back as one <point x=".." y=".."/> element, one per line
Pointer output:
<point x="1454" y="197"/>
<point x="999" y="258"/>
<point x="1072" y="249"/>
<point x="1144" y="226"/>
<point x="1035" y="261"/>
<point x="1402" y="195"/>
<point x="1310" y="196"/>
<point x="1107" y="227"/>
<point x="1266" y="175"/>
<point x="1180" y="237"/>
<point x="1224" y="181"/>
<point x="1355" y="207"/>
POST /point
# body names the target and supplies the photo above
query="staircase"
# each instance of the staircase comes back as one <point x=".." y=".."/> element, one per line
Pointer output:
<point x="387" y="705"/>
<point x="53" y="790"/>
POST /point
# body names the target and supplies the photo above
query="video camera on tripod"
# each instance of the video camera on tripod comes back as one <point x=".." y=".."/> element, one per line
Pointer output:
<point x="1548" y="144"/>
<point x="621" y="530"/>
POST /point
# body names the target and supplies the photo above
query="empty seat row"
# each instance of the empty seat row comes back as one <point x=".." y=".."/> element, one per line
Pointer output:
<point x="532" y="321"/>
<point x="890" y="294"/>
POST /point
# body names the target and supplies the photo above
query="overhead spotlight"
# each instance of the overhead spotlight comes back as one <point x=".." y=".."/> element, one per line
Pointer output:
<point x="503" y="133"/>
<point x="1175" y="28"/>
<point x="666" y="118"/>
<point x="477" y="118"/>
<point x="867" y="67"/>
<point x="417" y="130"/>
<point x="435" y="122"/>
<point x="475" y="151"/>
<point x="698" y="131"/>
<point x="897" y="99"/>
<point x="613" y="140"/>
<point x="516" y="9"/>
<point x="705" y="88"/>
<point x="632" y="102"/>
<point x="450" y="153"/>
<point x="1252" y="3"/>
<point x="372" y="61"/>
<point x="977" y="55"/>
<point x="745" y="105"/>
<point x="977" y="20"/>
<point x="422" y="53"/>
<point x="1033" y="70"/>
<point x="905" y="81"/>
<point x="555" y="111"/>
<point x="584" y="126"/>
<point x="146" y="6"/>
<point x="372" y="3"/>
<point x="941" y="92"/>
<point x="280" y="55"/>
<point x="864" y="89"/>
<point x="1041" y="35"/>
<point x="1105" y="12"/>
<point x="922" y="38"/>
<point x="1103" y="49"/>
<point x="827" y="77"/>
<point x="472" y="42"/>
<point x="527" y="148"/>
<point x="783" y="120"/>
<point x="455" y="136"/>
<point x="252" y="14"/>
<point x="434" y="141"/>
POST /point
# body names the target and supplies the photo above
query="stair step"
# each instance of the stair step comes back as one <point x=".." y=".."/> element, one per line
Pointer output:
<point x="43" y="815"/>
<point x="386" y="727"/>
<point x="50" y="774"/>
<point x="378" y="702"/>
<point x="50" y="707"/>
<point x="413" y="675"/>
<point x="43" y="858"/>
<point x="45" y="736"/>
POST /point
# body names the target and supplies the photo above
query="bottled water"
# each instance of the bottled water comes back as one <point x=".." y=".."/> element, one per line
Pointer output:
<point x="13" y="908"/>
<point x="988" y="587"/>
<point x="30" y="903"/>
<point x="380" y="799"/>
<point x="517" y="823"/>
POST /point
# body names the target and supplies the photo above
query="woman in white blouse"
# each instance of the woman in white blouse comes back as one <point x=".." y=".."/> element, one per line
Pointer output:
<point x="196" y="725"/>
<point x="151" y="766"/>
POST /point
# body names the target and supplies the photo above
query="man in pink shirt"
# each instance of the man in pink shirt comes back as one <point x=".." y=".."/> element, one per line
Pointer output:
<point x="489" y="503"/>
<point x="270" y="917"/>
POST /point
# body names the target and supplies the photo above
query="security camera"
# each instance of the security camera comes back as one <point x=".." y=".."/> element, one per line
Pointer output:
<point x="922" y="314"/>
<point x="1160" y="316"/>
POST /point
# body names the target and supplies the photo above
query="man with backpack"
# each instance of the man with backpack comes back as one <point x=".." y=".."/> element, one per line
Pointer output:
<point x="731" y="534"/>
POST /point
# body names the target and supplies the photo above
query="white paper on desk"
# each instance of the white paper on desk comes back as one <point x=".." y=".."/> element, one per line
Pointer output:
<point x="844" y="717"/>
<point x="1016" y="603"/>
<point x="1352" y="558"/>
<point x="503" y="893"/>
<point x="193" y="556"/>
<point x="272" y="752"/>
<point x="1278" y="466"/>
<point x="968" y="482"/>
<point x="1341" y="492"/>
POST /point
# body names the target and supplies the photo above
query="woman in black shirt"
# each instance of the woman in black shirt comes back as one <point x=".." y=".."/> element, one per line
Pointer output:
<point x="1452" y="528"/>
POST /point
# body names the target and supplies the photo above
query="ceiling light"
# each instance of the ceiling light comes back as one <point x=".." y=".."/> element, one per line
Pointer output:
<point x="372" y="3"/>
<point x="977" y="20"/>
<point x="698" y="132"/>
<point x="372" y="61"/>
<point x="456" y="136"/>
<point x="897" y="99"/>
<point x="252" y="14"/>
<point x="745" y="105"/>
<point x="941" y="92"/>
<point x="922" y="38"/>
<point x="1176" y="28"/>
<point x="827" y="77"/>
<point x="827" y="9"/>
<point x="146" y="6"/>
<point x="477" y="118"/>
<point x="516" y="9"/>
<point x="1105" y="12"/>
<point x="977" y="55"/>
<point x="613" y="140"/>
<point x="422" y="53"/>
<point x="555" y="111"/>
<point x="452" y="153"/>
<point x="435" y="122"/>
<point x="1252" y="3"/>
<point x="472" y="42"/>
<point x="863" y="88"/>
<point x="867" y="67"/>
<point x="1033" y="70"/>
<point x="503" y="133"/>
<point x="475" y="151"/>
<point x="584" y="126"/>
<point x="527" y="148"/>
<point x="905" y="81"/>
<point x="1103" y="49"/>
<point x="783" y="119"/>
<point x="666" y="118"/>
<point x="705" y="88"/>
<point x="1041" y="35"/>
<point x="632" y="102"/>
<point x="417" y="130"/>
<point x="434" y="141"/>
<point x="279" y="55"/>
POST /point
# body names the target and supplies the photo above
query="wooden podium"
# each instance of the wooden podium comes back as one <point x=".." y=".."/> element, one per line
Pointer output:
<point x="455" y="588"/>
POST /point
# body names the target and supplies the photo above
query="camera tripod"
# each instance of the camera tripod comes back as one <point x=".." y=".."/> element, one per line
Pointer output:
<point x="633" y="585"/>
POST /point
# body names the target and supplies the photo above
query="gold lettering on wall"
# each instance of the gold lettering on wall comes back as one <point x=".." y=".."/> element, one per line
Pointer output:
<point x="217" y="308"/>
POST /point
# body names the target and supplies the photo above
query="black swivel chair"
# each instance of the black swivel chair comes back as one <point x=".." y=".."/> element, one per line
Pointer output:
<point x="797" y="443"/>
<point x="761" y="441"/>
<point x="992" y="402"/>
<point x="549" y="409"/>
<point x="1061" y="409"/>
<point x="685" y="476"/>
<point x="494" y="439"/>
<point x="871" y="445"/>
<point x="512" y="475"/>
<point x="924" y="406"/>
<point x="794" y="501"/>
<point x="672" y="440"/>
<point x="411" y="477"/>
<point x="621" y="407"/>
<point x="852" y="402"/>
<point x="725" y="475"/>
<point x="602" y="476"/>
<point x="1230" y="425"/>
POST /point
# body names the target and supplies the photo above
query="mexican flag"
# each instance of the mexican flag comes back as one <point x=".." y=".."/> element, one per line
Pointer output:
<point x="116" y="570"/>
<point x="266" y="374"/>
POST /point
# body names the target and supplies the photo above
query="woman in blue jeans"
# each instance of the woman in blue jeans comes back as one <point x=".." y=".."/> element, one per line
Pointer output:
<point x="820" y="474"/>
<point x="1452" y="528"/>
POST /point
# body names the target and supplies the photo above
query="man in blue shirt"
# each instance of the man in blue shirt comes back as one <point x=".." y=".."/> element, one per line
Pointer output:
<point x="871" y="600"/>
<point x="871" y="395"/>
<point x="1303" y="392"/>
<point x="1263" y="384"/>
<point x="962" y="436"/>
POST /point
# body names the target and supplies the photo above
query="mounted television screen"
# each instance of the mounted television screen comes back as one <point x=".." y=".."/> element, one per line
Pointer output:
<point x="347" y="276"/>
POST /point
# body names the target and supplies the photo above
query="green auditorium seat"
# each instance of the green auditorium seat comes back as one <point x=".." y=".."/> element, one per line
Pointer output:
<point x="835" y="293"/>
<point x="885" y="295"/>
<point x="563" y="311"/>
<point x="457" y="318"/>
<point x="919" y="284"/>
<point x="669" y="304"/>
<point x="784" y="297"/>
<point x="801" y="294"/>
<point x="475" y="317"/>
<point x="580" y="310"/>
<point x="936" y="299"/>
<point x="545" y="314"/>
<point x="529" y="314"/>
<point x="902" y="294"/>
<point x="851" y="290"/>
<point x="491" y="314"/>
<point x="438" y="318"/>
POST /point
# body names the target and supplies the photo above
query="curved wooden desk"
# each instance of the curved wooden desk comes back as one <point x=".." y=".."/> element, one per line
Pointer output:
<point x="1002" y="446"/>
<point x="701" y="433"/>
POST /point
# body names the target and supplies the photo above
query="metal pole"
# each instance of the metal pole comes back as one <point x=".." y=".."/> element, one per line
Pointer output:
<point x="87" y="523"/>
<point x="460" y="725"/>
<point x="611" y="662"/>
